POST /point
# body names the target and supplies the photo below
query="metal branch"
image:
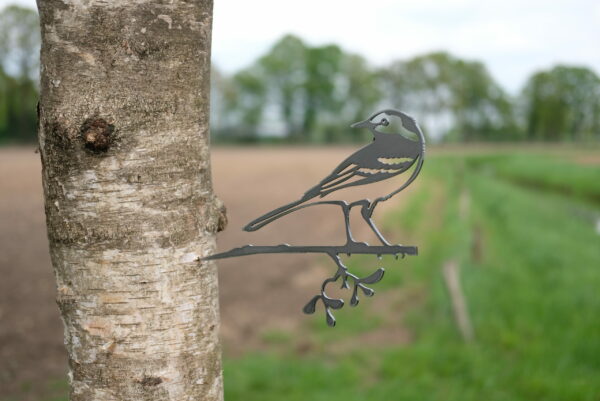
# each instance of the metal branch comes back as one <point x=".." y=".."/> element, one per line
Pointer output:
<point x="341" y="272"/>
<point x="344" y="274"/>
<point x="348" y="249"/>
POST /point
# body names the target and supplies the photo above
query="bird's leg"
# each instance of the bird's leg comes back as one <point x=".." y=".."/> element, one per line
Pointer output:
<point x="367" y="212"/>
<point x="346" y="210"/>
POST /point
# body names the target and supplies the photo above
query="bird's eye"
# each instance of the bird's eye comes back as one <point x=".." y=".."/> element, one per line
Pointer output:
<point x="384" y="122"/>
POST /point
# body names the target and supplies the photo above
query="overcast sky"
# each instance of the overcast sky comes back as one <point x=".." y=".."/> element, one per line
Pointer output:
<point x="513" y="37"/>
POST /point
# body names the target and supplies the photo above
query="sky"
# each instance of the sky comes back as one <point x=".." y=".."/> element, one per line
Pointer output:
<point x="514" y="38"/>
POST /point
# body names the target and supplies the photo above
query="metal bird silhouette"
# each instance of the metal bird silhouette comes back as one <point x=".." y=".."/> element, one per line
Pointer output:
<point x="389" y="155"/>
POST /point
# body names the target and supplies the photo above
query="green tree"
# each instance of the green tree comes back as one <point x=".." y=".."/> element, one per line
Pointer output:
<point x="562" y="103"/>
<point x="354" y="96"/>
<point x="19" y="66"/>
<point x="362" y="90"/>
<point x="459" y="98"/>
<point x="223" y="96"/>
<point x="322" y="69"/>
<point x="4" y="105"/>
<point x="308" y="90"/>
<point x="247" y="101"/>
<point x="18" y="99"/>
<point x="20" y="42"/>
<point x="283" y="70"/>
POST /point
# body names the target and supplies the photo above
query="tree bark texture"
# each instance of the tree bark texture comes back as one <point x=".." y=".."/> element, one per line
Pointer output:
<point x="123" y="132"/>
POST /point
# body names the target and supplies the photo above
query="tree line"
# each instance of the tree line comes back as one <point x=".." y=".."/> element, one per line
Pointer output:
<point x="310" y="93"/>
<point x="301" y="93"/>
<point x="19" y="65"/>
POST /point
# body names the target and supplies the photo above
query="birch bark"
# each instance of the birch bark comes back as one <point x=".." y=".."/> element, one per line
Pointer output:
<point x="123" y="133"/>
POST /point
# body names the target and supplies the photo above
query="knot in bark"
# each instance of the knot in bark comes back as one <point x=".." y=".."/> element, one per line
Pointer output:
<point x="151" y="381"/>
<point x="222" y="217"/>
<point x="97" y="134"/>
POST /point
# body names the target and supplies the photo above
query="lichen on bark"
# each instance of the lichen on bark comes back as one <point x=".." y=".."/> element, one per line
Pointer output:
<point x="124" y="143"/>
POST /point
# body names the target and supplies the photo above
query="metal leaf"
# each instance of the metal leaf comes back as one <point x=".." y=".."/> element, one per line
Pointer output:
<point x="354" y="298"/>
<point x="329" y="317"/>
<point x="368" y="291"/>
<point x="375" y="277"/>
<point x="311" y="306"/>
<point x="334" y="303"/>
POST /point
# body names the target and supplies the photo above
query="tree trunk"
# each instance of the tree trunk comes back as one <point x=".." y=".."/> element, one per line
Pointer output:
<point x="123" y="131"/>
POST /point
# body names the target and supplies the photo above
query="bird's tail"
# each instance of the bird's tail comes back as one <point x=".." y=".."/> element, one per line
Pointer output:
<point x="277" y="213"/>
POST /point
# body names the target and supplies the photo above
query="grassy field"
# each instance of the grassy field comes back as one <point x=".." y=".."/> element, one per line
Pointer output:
<point x="525" y="231"/>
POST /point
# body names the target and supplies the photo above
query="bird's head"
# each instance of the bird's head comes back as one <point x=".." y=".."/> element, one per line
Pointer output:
<point x="380" y="119"/>
<point x="391" y="122"/>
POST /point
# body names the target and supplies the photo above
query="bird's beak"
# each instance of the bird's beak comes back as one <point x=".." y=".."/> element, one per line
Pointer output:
<point x="361" y="124"/>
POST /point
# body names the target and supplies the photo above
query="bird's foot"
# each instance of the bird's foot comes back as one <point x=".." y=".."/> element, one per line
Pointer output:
<point x="351" y="243"/>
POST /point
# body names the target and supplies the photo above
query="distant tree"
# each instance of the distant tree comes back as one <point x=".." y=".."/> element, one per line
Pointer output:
<point x="284" y="73"/>
<point x="562" y="103"/>
<point x="247" y="100"/>
<point x="457" y="97"/>
<point x="305" y="90"/>
<point x="308" y="93"/>
<point x="4" y="105"/>
<point x="19" y="70"/>
<point x="354" y="96"/>
<point x="20" y="42"/>
<point x="18" y="98"/>
<point x="322" y="68"/>
<point x="361" y="90"/>
<point x="223" y="122"/>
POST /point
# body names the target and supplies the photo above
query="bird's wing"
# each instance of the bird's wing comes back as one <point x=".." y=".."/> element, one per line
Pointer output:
<point x="360" y="168"/>
<point x="351" y="174"/>
<point x="361" y="176"/>
<point x="344" y="172"/>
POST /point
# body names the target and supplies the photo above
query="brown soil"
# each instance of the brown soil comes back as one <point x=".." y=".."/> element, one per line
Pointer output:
<point x="258" y="293"/>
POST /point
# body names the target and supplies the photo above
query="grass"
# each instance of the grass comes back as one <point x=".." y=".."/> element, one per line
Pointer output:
<point x="544" y="172"/>
<point x="530" y="271"/>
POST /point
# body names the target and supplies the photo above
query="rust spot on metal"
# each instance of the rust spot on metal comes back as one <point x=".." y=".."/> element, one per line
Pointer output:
<point x="97" y="134"/>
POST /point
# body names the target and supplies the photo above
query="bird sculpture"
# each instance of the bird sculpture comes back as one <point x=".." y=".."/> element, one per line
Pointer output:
<point x="398" y="145"/>
<point x="389" y="155"/>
